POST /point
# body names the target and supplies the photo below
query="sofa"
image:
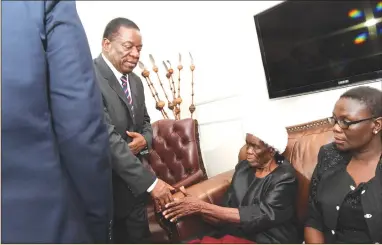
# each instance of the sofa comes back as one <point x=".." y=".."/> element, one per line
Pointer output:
<point x="304" y="142"/>
<point x="175" y="158"/>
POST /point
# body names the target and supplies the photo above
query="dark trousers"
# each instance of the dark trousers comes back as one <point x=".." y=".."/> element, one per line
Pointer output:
<point x="134" y="227"/>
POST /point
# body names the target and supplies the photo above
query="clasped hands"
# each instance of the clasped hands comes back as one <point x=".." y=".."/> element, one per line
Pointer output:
<point x="173" y="209"/>
<point x="182" y="207"/>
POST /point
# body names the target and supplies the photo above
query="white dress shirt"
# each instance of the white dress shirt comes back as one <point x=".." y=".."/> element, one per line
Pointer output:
<point x="118" y="75"/>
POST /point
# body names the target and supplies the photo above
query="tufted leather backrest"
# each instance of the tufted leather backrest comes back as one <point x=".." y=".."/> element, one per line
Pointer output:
<point x="304" y="142"/>
<point x="175" y="156"/>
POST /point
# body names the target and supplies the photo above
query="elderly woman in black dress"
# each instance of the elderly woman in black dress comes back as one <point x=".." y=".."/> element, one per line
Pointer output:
<point x="259" y="205"/>
<point x="345" y="204"/>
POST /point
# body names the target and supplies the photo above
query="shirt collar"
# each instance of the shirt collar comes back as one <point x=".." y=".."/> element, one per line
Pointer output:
<point x="116" y="73"/>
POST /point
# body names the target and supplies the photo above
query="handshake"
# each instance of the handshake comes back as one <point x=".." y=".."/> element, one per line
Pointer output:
<point x="162" y="195"/>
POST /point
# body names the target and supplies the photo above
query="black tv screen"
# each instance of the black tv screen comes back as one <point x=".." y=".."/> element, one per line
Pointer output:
<point x="308" y="46"/>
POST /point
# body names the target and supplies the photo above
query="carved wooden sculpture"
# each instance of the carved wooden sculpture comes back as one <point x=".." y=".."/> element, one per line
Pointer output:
<point x="192" y="68"/>
<point x="179" y="99"/>
<point x="176" y="101"/>
<point x="174" y="104"/>
<point x="155" y="69"/>
<point x="168" y="75"/>
<point x="159" y="103"/>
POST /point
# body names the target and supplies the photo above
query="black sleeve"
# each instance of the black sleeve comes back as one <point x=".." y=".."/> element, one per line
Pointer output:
<point x="314" y="216"/>
<point x="274" y="208"/>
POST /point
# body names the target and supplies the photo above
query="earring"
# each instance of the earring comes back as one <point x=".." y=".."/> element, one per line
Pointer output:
<point x="375" y="132"/>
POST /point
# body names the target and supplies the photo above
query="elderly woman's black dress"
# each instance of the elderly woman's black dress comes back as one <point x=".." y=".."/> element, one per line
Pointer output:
<point x="266" y="205"/>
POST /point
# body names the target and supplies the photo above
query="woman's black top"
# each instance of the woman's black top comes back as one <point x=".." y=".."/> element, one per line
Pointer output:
<point x="266" y="205"/>
<point x="343" y="212"/>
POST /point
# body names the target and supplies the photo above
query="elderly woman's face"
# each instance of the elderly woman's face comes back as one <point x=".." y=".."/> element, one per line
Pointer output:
<point x="356" y="135"/>
<point x="258" y="153"/>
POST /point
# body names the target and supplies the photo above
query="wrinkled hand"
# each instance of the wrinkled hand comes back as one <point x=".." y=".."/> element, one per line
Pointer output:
<point x="138" y="142"/>
<point x="162" y="195"/>
<point x="182" y="207"/>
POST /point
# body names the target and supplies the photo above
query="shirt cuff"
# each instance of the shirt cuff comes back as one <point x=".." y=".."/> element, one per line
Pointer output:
<point x="153" y="185"/>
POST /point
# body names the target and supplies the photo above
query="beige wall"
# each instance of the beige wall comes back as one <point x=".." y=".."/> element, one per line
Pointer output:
<point x="229" y="73"/>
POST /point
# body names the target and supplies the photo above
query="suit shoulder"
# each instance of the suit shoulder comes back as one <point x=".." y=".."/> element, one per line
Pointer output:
<point x="135" y="77"/>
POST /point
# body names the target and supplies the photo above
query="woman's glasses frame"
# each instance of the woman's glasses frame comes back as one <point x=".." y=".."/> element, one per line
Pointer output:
<point x="346" y="124"/>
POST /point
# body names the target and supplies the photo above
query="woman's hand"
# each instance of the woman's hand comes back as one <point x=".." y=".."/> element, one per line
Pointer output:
<point x="182" y="207"/>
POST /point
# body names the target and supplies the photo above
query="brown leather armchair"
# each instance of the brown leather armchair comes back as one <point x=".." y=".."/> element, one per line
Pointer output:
<point x="175" y="158"/>
<point x="304" y="142"/>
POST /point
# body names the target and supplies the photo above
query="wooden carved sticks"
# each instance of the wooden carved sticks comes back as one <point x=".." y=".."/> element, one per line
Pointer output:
<point x="155" y="69"/>
<point x="192" y="68"/>
<point x="159" y="103"/>
<point x="177" y="100"/>
<point x="174" y="104"/>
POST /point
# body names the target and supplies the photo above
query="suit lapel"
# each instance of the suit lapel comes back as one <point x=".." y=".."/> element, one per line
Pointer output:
<point x="108" y="74"/>
<point x="134" y="91"/>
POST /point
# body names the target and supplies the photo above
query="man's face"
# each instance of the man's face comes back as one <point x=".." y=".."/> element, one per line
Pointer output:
<point x="124" y="49"/>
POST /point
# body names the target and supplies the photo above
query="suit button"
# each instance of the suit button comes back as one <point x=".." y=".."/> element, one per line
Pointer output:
<point x="333" y="232"/>
<point x="368" y="216"/>
<point x="338" y="207"/>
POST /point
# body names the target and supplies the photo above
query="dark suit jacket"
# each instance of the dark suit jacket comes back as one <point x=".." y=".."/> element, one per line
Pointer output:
<point x="56" y="175"/>
<point x="129" y="175"/>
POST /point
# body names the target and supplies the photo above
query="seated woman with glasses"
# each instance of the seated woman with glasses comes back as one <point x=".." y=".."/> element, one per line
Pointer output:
<point x="259" y="205"/>
<point x="345" y="203"/>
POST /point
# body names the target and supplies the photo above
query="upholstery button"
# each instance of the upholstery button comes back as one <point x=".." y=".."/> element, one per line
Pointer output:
<point x="368" y="216"/>
<point x="363" y="192"/>
<point x="352" y="188"/>
<point x="333" y="232"/>
<point x="338" y="207"/>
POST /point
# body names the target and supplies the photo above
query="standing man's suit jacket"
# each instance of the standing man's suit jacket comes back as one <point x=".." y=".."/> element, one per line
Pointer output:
<point x="129" y="174"/>
<point x="56" y="175"/>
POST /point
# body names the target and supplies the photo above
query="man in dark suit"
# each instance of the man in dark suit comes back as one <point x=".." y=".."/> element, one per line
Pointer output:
<point x="130" y="132"/>
<point x="56" y="174"/>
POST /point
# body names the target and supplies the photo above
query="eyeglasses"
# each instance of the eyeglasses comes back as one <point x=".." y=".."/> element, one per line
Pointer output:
<point x="346" y="124"/>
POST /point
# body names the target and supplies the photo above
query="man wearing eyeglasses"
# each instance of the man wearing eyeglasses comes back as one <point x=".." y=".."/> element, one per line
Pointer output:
<point x="130" y="132"/>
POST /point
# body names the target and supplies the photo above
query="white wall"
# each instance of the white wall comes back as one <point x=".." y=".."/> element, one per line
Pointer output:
<point x="229" y="75"/>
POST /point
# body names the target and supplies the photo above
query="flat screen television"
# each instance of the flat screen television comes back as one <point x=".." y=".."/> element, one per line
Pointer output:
<point x="308" y="46"/>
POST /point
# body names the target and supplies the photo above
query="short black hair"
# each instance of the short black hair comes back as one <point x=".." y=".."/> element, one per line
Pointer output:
<point x="369" y="96"/>
<point x="113" y="26"/>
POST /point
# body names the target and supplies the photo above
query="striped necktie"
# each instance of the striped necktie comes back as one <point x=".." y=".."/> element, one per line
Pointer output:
<point x="126" y="89"/>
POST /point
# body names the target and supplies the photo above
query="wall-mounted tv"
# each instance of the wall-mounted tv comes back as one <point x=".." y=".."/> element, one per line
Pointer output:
<point x="309" y="46"/>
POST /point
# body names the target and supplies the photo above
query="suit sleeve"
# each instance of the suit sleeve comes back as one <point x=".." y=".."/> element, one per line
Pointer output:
<point x="274" y="208"/>
<point x="314" y="216"/>
<point x="76" y="108"/>
<point x="147" y="130"/>
<point x="125" y="163"/>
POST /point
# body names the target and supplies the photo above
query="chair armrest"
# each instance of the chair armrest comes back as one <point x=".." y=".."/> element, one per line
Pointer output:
<point x="211" y="191"/>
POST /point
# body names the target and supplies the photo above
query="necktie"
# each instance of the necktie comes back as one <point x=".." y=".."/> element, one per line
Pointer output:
<point x="126" y="89"/>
